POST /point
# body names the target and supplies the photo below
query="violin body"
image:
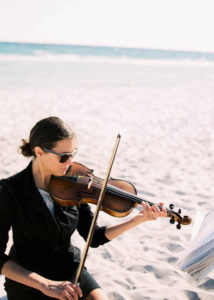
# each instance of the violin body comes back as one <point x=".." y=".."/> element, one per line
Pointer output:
<point x="81" y="186"/>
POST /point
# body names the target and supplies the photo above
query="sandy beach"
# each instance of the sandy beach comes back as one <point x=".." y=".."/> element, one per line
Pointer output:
<point x="165" y="115"/>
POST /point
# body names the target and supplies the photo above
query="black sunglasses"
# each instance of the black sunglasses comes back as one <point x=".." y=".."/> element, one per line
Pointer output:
<point x="63" y="156"/>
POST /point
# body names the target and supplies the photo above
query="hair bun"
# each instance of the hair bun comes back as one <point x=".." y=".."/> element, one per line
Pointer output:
<point x="25" y="148"/>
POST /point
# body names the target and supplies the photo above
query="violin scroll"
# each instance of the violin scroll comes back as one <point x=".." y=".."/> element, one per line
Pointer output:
<point x="176" y="217"/>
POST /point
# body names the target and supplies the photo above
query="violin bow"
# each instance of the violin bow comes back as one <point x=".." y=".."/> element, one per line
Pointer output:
<point x="99" y="205"/>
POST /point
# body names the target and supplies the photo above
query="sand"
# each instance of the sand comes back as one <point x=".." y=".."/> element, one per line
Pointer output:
<point x="166" y="150"/>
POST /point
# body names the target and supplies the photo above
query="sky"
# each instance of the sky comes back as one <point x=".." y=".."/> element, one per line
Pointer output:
<point x="154" y="24"/>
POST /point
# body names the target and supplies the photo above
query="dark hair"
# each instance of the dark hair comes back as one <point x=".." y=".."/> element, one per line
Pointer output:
<point x="45" y="134"/>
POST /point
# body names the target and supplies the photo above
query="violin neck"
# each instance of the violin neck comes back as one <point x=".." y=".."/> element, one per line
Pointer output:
<point x="126" y="195"/>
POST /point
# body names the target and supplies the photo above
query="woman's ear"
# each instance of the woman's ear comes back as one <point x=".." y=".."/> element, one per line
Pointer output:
<point x="38" y="151"/>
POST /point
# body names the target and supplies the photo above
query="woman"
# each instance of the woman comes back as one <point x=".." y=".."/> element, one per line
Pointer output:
<point x="42" y="262"/>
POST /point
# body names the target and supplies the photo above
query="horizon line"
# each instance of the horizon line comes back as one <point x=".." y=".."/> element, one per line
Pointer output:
<point x="105" y="46"/>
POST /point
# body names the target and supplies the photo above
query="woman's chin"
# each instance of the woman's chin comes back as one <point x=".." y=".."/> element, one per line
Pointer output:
<point x="61" y="172"/>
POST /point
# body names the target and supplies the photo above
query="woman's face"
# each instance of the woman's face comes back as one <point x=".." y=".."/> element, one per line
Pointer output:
<point x="51" y="161"/>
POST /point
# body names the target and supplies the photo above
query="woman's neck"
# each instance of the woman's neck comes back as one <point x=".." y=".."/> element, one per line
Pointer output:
<point x="41" y="175"/>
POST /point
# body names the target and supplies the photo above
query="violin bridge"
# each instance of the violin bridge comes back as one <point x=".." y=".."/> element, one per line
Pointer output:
<point x="90" y="183"/>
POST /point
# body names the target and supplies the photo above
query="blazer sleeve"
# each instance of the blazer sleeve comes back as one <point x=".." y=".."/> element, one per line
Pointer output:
<point x="7" y="214"/>
<point x="83" y="227"/>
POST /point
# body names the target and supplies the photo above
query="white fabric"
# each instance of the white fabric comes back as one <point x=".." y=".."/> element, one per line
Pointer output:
<point x="48" y="201"/>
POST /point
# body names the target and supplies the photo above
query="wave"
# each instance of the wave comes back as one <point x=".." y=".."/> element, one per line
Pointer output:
<point x="42" y="56"/>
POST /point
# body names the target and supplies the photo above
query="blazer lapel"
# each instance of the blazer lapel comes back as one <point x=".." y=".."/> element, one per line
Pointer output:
<point x="33" y="196"/>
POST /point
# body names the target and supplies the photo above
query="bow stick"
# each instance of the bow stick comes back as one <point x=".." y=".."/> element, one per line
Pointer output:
<point x="99" y="204"/>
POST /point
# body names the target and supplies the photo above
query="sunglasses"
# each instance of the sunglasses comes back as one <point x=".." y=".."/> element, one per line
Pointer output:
<point x="63" y="156"/>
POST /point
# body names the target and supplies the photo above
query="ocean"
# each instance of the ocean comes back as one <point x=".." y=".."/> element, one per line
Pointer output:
<point x="41" y="65"/>
<point x="28" y="49"/>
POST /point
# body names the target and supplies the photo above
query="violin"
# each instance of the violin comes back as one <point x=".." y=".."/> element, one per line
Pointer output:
<point x="80" y="185"/>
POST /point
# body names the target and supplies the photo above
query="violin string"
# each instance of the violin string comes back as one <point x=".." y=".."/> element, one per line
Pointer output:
<point x="115" y="191"/>
<point x="118" y="192"/>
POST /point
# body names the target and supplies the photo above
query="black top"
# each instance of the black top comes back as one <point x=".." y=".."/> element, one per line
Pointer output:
<point x="40" y="242"/>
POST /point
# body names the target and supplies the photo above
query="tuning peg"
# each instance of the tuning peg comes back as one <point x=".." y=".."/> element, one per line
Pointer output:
<point x="179" y="211"/>
<point x="178" y="226"/>
<point x="171" y="206"/>
<point x="172" y="220"/>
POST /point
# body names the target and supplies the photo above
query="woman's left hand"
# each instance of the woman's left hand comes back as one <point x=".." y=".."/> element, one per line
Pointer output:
<point x="149" y="213"/>
<point x="146" y="214"/>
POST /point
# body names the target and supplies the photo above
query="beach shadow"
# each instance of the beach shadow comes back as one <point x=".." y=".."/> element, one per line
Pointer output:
<point x="192" y="295"/>
<point x="209" y="284"/>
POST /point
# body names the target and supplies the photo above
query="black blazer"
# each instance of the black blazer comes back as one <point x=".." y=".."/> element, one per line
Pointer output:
<point x="40" y="242"/>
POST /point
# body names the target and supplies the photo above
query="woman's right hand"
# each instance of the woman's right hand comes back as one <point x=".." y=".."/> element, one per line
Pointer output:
<point x="63" y="290"/>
